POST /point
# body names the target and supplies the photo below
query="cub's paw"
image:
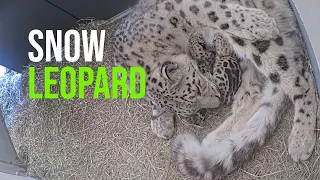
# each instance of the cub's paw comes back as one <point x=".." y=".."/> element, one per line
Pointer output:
<point x="222" y="45"/>
<point x="198" y="118"/>
<point x="163" y="125"/>
<point x="301" y="143"/>
<point x="198" y="49"/>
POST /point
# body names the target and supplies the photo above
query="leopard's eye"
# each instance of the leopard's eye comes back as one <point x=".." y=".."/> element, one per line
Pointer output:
<point x="168" y="69"/>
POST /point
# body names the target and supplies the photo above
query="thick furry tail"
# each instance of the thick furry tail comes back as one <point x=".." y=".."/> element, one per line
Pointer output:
<point x="223" y="156"/>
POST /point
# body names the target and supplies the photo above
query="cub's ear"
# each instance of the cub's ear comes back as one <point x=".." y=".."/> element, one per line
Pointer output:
<point x="170" y="70"/>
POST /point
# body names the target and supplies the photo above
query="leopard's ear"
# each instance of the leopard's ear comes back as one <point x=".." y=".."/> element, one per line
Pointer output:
<point x="169" y="70"/>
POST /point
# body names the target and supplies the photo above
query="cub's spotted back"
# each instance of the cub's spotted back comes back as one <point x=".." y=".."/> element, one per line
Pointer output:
<point x="218" y="62"/>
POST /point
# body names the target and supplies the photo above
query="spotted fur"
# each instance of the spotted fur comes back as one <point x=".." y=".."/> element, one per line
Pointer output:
<point x="265" y="35"/>
<point x="155" y="36"/>
<point x="219" y="64"/>
<point x="282" y="61"/>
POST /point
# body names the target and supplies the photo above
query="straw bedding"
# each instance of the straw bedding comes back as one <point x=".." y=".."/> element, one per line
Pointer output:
<point x="10" y="94"/>
<point x="111" y="139"/>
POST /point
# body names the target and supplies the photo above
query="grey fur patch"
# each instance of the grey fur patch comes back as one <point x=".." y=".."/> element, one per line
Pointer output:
<point x="261" y="45"/>
<point x="279" y="41"/>
<point x="270" y="131"/>
<point x="297" y="82"/>
<point x="296" y="97"/>
<point x="275" y="77"/>
<point x="238" y="40"/>
<point x="224" y="26"/>
<point x="283" y="63"/>
<point x="290" y="34"/>
<point x="190" y="168"/>
<point x="194" y="9"/>
<point x="174" y="21"/>
<point x="207" y="4"/>
<point x="275" y="91"/>
<point x="203" y="112"/>
<point x="140" y="62"/>
<point x="257" y="59"/>
<point x="268" y="5"/>
<point x="243" y="154"/>
<point x="223" y="6"/>
<point x="136" y="54"/>
<point x="170" y="37"/>
<point x="242" y="17"/>
<point x="154" y="80"/>
<point x="176" y="148"/>
<point x="228" y="14"/>
<point x="126" y="66"/>
<point x="235" y="23"/>
<point x="178" y="1"/>
<point x="266" y="104"/>
<point x="121" y="48"/>
<point x="189" y="23"/>
<point x="218" y="170"/>
<point x="159" y="45"/>
<point x="148" y="70"/>
<point x="207" y="164"/>
<point x="182" y="14"/>
<point x="169" y="6"/>
<point x="212" y="16"/>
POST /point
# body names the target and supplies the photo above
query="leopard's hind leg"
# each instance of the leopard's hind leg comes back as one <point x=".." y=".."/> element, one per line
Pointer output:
<point x="283" y="61"/>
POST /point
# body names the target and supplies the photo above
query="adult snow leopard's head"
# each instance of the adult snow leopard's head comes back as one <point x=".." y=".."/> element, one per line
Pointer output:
<point x="177" y="85"/>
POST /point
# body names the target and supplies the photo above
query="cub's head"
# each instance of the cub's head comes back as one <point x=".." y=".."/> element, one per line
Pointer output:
<point x="176" y="84"/>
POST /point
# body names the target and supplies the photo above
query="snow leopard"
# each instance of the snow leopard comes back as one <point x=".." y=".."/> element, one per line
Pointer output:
<point x="262" y="33"/>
